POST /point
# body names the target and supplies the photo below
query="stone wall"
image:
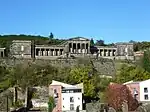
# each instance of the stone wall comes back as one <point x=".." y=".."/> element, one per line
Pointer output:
<point x="104" y="66"/>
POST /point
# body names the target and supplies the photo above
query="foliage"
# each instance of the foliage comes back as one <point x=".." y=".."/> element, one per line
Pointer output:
<point x="100" y="43"/>
<point x="131" y="72"/>
<point x="18" y="103"/>
<point x="79" y="75"/>
<point x="92" y="42"/>
<point x="141" y="45"/>
<point x="5" y="40"/>
<point x="51" y="104"/>
<point x="117" y="94"/>
<point x="145" y="61"/>
<point x="51" y="36"/>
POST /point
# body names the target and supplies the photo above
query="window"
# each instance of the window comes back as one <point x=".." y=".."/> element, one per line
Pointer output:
<point x="78" y="98"/>
<point x="55" y="91"/>
<point x="71" y="99"/>
<point x="146" y="90"/>
<point x="63" y="98"/>
<point x="146" y="97"/>
<point x="71" y="106"/>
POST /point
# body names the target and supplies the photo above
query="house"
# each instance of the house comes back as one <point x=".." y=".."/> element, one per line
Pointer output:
<point x="67" y="97"/>
<point x="134" y="87"/>
<point x="140" y="90"/>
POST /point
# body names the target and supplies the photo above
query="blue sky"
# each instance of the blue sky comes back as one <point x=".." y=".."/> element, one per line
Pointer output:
<point x="111" y="20"/>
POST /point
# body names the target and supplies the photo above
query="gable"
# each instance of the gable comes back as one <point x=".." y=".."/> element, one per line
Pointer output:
<point x="79" y="38"/>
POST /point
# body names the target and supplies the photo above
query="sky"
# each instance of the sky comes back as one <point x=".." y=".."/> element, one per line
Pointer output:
<point x="110" y="20"/>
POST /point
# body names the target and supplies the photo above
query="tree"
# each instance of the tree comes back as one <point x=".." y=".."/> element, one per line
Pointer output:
<point x="92" y="42"/>
<point x="117" y="94"/>
<point x="80" y="75"/>
<point x="51" y="36"/>
<point x="100" y="43"/>
<point x="131" y="72"/>
<point x="145" y="61"/>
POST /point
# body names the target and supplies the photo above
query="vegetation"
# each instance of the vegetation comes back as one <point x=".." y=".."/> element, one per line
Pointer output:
<point x="29" y="74"/>
<point x="51" y="104"/>
<point x="6" y="40"/>
<point x="117" y="94"/>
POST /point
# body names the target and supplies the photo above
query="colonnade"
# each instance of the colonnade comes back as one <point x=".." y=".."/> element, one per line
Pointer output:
<point x="48" y="52"/>
<point x="79" y="48"/>
<point x="107" y="52"/>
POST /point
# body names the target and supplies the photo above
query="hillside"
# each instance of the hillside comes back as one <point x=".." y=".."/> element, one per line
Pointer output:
<point x="5" y="40"/>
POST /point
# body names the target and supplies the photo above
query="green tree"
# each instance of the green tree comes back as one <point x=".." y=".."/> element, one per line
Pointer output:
<point x="51" y="36"/>
<point x="80" y="75"/>
<point x="145" y="61"/>
<point x="131" y="72"/>
<point x="92" y="42"/>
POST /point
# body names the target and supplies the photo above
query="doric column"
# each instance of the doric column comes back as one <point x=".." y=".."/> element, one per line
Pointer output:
<point x="58" y="52"/>
<point x="77" y="48"/>
<point x="49" y="53"/>
<point x="54" y="52"/>
<point x="106" y="52"/>
<point x="62" y="51"/>
<point x="40" y="52"/>
<point x="111" y="52"/>
<point x="102" y="52"/>
<point x="44" y="53"/>
<point x="88" y="47"/>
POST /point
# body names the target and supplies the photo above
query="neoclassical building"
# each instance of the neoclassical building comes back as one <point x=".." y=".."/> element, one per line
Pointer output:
<point x="73" y="47"/>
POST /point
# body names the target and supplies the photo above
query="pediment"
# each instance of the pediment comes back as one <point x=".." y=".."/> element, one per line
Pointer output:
<point x="79" y="38"/>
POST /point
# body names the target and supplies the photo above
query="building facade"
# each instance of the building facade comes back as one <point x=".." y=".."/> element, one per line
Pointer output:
<point x="140" y="90"/>
<point x="74" y="47"/>
<point x="67" y="97"/>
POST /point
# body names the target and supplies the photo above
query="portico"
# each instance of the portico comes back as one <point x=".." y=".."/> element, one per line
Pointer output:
<point x="79" y="45"/>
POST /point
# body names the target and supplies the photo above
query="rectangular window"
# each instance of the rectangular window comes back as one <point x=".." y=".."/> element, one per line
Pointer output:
<point x="71" y="106"/>
<point x="145" y="90"/>
<point x="146" y="97"/>
<point x="71" y="99"/>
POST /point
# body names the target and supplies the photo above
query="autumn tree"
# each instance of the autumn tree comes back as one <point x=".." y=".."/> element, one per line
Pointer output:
<point x="117" y="94"/>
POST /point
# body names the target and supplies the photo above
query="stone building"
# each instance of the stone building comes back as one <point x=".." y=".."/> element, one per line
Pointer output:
<point x="76" y="47"/>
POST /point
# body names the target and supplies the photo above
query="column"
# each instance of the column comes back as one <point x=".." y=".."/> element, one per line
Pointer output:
<point x="71" y="47"/>
<point x="49" y="52"/>
<point x="80" y="47"/>
<point x="40" y="52"/>
<point x="111" y="52"/>
<point x="85" y="48"/>
<point x="54" y="52"/>
<point x="58" y="52"/>
<point x="62" y="51"/>
<point x="106" y="52"/>
<point x="102" y="52"/>
<point x="77" y="48"/>
<point x="88" y="47"/>
<point x="44" y="52"/>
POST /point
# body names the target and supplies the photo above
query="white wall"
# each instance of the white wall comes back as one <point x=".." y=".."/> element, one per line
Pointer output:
<point x="144" y="84"/>
<point x="66" y="100"/>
